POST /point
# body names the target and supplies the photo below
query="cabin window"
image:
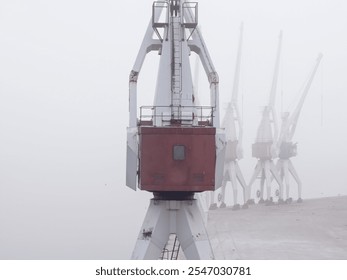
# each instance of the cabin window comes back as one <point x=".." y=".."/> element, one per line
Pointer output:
<point x="179" y="152"/>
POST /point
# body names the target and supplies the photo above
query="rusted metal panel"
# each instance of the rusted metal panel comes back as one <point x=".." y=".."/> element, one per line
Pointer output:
<point x="177" y="159"/>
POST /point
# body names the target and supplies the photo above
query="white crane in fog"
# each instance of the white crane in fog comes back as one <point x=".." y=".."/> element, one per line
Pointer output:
<point x="233" y="130"/>
<point x="265" y="146"/>
<point x="175" y="149"/>
<point x="287" y="148"/>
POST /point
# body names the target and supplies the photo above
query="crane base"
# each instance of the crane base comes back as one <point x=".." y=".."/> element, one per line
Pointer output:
<point x="180" y="217"/>
<point x="265" y="168"/>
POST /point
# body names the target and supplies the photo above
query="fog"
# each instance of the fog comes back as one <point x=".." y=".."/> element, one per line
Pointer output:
<point x="64" y="68"/>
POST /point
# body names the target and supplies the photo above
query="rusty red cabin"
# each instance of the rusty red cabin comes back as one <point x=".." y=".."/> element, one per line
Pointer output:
<point x="177" y="159"/>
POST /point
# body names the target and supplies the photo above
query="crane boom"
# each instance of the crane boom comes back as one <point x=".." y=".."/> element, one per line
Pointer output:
<point x="295" y="116"/>
<point x="268" y="128"/>
<point x="274" y="89"/>
<point x="237" y="68"/>
<point x="290" y="121"/>
<point x="276" y="71"/>
<point x="232" y="120"/>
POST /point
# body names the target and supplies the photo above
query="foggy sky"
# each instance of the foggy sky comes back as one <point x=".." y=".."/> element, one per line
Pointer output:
<point x="64" y="69"/>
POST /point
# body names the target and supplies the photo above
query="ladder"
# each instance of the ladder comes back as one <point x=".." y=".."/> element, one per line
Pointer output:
<point x="176" y="67"/>
<point x="171" y="249"/>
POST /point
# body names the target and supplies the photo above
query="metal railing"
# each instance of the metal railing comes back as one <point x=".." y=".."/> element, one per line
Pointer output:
<point x="187" y="115"/>
<point x="192" y="9"/>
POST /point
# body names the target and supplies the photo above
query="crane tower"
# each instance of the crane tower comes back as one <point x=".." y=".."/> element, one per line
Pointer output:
<point x="174" y="147"/>
<point x="265" y="147"/>
<point x="287" y="148"/>
<point x="232" y="123"/>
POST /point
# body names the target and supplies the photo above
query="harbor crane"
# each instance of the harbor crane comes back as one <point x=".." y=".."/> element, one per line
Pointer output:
<point x="265" y="146"/>
<point x="288" y="149"/>
<point x="232" y="123"/>
<point x="174" y="148"/>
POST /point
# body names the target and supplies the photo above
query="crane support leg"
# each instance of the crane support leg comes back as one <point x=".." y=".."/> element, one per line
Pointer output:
<point x="172" y="216"/>
<point x="267" y="171"/>
<point x="267" y="168"/>
<point x="262" y="183"/>
<point x="285" y="167"/>
<point x="233" y="174"/>
<point x="280" y="171"/>
<point x="279" y="168"/>
<point x="233" y="180"/>
<point x="222" y="191"/>
<point x="213" y="204"/>
<point x="153" y="235"/>
<point x="257" y="170"/>
<point x="246" y="192"/>
<point x="296" y="178"/>
<point x="285" y="172"/>
<point x="277" y="178"/>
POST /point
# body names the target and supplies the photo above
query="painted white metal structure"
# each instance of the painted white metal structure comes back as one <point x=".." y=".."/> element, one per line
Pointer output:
<point x="204" y="198"/>
<point x="232" y="123"/>
<point x="180" y="217"/>
<point x="265" y="146"/>
<point x="287" y="148"/>
<point x="175" y="24"/>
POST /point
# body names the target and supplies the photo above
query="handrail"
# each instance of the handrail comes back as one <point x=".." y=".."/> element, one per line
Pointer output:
<point x="187" y="115"/>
